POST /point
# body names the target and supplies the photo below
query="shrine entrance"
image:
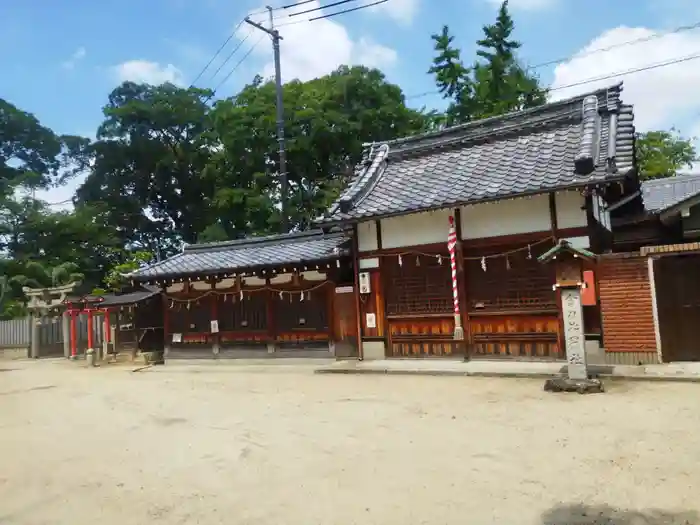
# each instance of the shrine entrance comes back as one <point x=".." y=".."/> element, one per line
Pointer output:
<point x="44" y="306"/>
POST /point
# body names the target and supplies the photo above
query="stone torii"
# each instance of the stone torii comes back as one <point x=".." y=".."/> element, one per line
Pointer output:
<point x="41" y="302"/>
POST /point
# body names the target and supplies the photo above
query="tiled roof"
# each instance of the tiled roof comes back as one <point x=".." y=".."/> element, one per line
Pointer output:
<point x="250" y="254"/>
<point x="571" y="143"/>
<point x="132" y="297"/>
<point x="662" y="194"/>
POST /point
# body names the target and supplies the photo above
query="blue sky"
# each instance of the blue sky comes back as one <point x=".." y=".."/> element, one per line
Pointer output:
<point x="61" y="59"/>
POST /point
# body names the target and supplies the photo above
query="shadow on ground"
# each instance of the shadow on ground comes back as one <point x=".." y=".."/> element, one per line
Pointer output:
<point x="606" y="515"/>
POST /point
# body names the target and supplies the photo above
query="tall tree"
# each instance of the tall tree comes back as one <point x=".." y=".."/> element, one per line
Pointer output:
<point x="149" y="178"/>
<point x="497" y="83"/>
<point x="326" y="121"/>
<point x="662" y="154"/>
<point x="28" y="151"/>
<point x="452" y="77"/>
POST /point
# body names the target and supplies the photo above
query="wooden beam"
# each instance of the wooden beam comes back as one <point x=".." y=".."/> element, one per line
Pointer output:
<point x="378" y="228"/>
<point x="553" y="215"/>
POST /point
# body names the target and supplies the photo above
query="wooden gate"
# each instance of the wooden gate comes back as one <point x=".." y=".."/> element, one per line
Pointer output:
<point x="677" y="282"/>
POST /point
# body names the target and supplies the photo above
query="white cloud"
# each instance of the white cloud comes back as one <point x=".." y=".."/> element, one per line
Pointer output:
<point x="402" y="11"/>
<point x="76" y="57"/>
<point x="662" y="97"/>
<point x="148" y="72"/>
<point x="313" y="49"/>
<point x="526" y="5"/>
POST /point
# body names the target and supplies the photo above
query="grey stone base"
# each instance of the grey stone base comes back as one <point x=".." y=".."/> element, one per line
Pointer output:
<point x="581" y="386"/>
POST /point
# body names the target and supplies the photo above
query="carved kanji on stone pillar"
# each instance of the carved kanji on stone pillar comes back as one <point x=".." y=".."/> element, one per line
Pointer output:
<point x="569" y="281"/>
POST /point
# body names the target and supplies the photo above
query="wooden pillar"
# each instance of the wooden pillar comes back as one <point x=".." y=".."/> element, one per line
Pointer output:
<point x="466" y="344"/>
<point x="166" y="326"/>
<point x="330" y="297"/>
<point x="214" y="321"/>
<point x="73" y="335"/>
<point x="270" y="314"/>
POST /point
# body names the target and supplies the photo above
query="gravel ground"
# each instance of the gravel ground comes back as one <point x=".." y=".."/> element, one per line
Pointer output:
<point x="279" y="445"/>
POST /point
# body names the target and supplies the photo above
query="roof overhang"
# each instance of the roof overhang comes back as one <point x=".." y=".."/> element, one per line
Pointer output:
<point x="613" y="179"/>
<point x="681" y="208"/>
<point x="565" y="247"/>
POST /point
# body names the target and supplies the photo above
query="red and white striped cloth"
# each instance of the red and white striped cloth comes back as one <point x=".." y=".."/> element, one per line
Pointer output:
<point x="452" y="248"/>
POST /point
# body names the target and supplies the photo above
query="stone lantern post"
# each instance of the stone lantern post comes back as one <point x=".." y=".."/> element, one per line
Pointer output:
<point x="568" y="262"/>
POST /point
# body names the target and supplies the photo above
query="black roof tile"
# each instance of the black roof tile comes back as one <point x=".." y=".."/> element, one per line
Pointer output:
<point x="661" y="194"/>
<point x="132" y="297"/>
<point x="534" y="151"/>
<point x="250" y="254"/>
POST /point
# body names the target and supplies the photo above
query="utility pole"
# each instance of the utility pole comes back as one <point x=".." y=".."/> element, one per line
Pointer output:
<point x="284" y="183"/>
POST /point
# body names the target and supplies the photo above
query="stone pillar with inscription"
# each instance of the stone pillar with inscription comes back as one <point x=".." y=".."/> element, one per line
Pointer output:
<point x="569" y="262"/>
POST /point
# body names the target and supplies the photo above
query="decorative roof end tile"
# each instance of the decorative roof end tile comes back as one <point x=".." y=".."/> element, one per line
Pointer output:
<point x="585" y="161"/>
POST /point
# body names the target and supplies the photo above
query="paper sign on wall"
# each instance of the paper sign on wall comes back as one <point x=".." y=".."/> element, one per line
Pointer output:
<point x="371" y="320"/>
<point x="214" y="326"/>
<point x="177" y="338"/>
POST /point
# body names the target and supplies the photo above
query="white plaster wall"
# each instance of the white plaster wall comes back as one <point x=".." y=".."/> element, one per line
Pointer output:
<point x="509" y="217"/>
<point x="571" y="211"/>
<point x="367" y="236"/>
<point x="415" y="229"/>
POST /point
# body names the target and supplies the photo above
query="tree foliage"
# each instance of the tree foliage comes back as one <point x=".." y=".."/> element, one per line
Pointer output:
<point x="662" y="154"/>
<point x="496" y="83"/>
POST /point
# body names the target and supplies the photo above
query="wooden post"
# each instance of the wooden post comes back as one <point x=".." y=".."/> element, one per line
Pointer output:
<point x="166" y="326"/>
<point x="214" y="313"/>
<point x="270" y="314"/>
<point x="356" y="282"/>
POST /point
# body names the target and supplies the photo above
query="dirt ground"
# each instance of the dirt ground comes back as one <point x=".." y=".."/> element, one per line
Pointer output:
<point x="279" y="445"/>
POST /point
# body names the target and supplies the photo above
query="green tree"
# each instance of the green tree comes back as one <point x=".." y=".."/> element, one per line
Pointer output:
<point x="497" y="83"/>
<point x="28" y="151"/>
<point x="149" y="177"/>
<point x="115" y="278"/>
<point x="326" y="121"/>
<point x="662" y="154"/>
<point x="453" y="79"/>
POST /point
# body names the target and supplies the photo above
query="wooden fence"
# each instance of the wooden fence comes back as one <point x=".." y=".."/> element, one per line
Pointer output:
<point x="17" y="333"/>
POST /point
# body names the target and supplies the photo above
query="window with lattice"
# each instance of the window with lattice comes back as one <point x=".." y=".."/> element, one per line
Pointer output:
<point x="419" y="285"/>
<point x="514" y="282"/>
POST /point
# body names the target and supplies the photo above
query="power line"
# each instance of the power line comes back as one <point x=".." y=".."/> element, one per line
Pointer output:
<point x="629" y="71"/>
<point x="257" y="42"/>
<point x="603" y="50"/>
<point x="288" y="6"/>
<point x="218" y="51"/>
<point x="595" y="79"/>
<point x="329" y="15"/>
<point x="334" y="4"/>
<point x="230" y="55"/>
<point x="647" y="38"/>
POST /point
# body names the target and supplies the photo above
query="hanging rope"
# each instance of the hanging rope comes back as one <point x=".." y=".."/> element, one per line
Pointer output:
<point x="241" y="292"/>
<point x="526" y="248"/>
